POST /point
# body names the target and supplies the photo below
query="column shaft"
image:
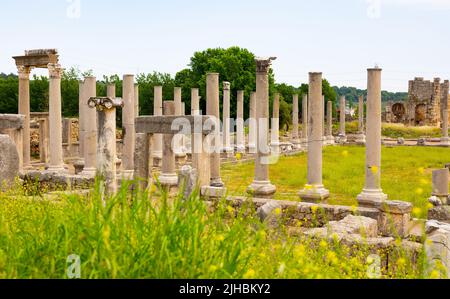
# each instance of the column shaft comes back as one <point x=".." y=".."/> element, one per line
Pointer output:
<point x="240" y="133"/>
<point x="226" y="118"/>
<point x="252" y="125"/>
<point x="305" y="120"/>
<point x="168" y="175"/>
<point x="90" y="135"/>
<point x="128" y="131"/>
<point x="24" y="109"/>
<point x="157" y="111"/>
<point x="275" y="130"/>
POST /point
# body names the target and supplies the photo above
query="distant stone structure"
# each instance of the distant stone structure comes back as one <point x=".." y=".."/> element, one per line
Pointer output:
<point x="423" y="106"/>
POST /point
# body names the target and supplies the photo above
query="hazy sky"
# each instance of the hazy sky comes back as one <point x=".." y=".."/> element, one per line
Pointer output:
<point x="407" y="38"/>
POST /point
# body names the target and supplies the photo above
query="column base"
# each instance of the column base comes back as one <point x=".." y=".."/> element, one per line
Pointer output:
<point x="330" y="139"/>
<point x="168" y="179"/>
<point x="341" y="139"/>
<point x="445" y="141"/>
<point x="275" y="148"/>
<point x="88" y="172"/>
<point x="371" y="198"/>
<point x="252" y="149"/>
<point x="213" y="192"/>
<point x="60" y="169"/>
<point x="314" y="193"/>
<point x="261" y="189"/>
<point x="216" y="182"/>
<point x="360" y="139"/>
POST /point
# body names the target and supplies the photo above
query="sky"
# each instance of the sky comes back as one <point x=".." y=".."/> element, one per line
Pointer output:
<point x="341" y="39"/>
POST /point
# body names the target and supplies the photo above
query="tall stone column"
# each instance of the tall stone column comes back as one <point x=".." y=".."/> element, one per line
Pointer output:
<point x="195" y="101"/>
<point x="56" y="162"/>
<point x="226" y="119"/>
<point x="372" y="192"/>
<point x="361" y="137"/>
<point x="178" y="143"/>
<point x="24" y="109"/>
<point x="261" y="186"/>
<point x="90" y="135"/>
<point x="157" y="144"/>
<point x="168" y="177"/>
<point x="305" y="121"/>
<point x="129" y="134"/>
<point x="252" y="124"/>
<point x="212" y="109"/>
<point x="445" y="140"/>
<point x="314" y="190"/>
<point x="240" y="133"/>
<point x="82" y="100"/>
<point x="184" y="137"/>
<point x="43" y="140"/>
<point x="324" y="133"/>
<point x="295" y="137"/>
<point x="111" y="93"/>
<point x="342" y="133"/>
<point x="329" y="133"/>
<point x="275" y="129"/>
<point x="433" y="109"/>
<point x="136" y="99"/>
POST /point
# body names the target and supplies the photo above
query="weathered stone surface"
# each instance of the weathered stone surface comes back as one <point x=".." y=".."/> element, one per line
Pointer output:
<point x="421" y="141"/>
<point x="350" y="225"/>
<point x="394" y="218"/>
<point x="11" y="121"/>
<point x="270" y="213"/>
<point x="440" y="213"/>
<point x="187" y="180"/>
<point x="438" y="245"/>
<point x="166" y="124"/>
<point x="213" y="192"/>
<point x="395" y="206"/>
<point x="401" y="141"/>
<point x="9" y="160"/>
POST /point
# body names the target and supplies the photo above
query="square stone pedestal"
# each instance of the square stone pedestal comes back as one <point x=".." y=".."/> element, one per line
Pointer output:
<point x="371" y="198"/>
<point x="210" y="192"/>
<point x="395" y="218"/>
<point x="261" y="189"/>
<point x="314" y="194"/>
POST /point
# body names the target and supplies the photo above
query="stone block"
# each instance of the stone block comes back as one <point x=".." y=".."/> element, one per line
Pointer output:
<point x="437" y="246"/>
<point x="213" y="192"/>
<point x="394" y="218"/>
<point x="9" y="161"/>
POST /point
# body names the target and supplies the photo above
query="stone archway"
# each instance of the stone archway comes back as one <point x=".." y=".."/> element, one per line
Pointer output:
<point x="399" y="112"/>
<point x="420" y="114"/>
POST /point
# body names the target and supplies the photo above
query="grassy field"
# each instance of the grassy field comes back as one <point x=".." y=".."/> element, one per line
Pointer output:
<point x="405" y="173"/>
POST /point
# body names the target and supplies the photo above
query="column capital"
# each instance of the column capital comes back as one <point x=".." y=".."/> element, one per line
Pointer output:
<point x="226" y="85"/>
<point x="54" y="70"/>
<point x="24" y="71"/>
<point x="263" y="64"/>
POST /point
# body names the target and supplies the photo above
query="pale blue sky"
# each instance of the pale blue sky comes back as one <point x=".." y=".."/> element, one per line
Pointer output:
<point x="407" y="38"/>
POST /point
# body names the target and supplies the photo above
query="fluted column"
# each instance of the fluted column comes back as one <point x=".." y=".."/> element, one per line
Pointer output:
<point x="240" y="133"/>
<point x="226" y="118"/>
<point x="24" y="109"/>
<point x="372" y="192"/>
<point x="361" y="137"/>
<point x="295" y="137"/>
<point x="252" y="124"/>
<point x="314" y="190"/>
<point x="305" y="121"/>
<point x="157" y="138"/>
<point x="261" y="186"/>
<point x="90" y="134"/>
<point x="275" y="129"/>
<point x="212" y="109"/>
<point x="129" y="134"/>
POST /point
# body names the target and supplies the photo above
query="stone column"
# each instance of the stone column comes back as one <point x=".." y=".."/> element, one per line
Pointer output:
<point x="111" y="93"/>
<point x="252" y="125"/>
<point x="324" y="133"/>
<point x="129" y="134"/>
<point x="329" y="133"/>
<point x="195" y="102"/>
<point x="24" y="109"/>
<point x="361" y="137"/>
<point x="342" y="134"/>
<point x="184" y="137"/>
<point x="295" y="137"/>
<point x="81" y="119"/>
<point x="314" y="190"/>
<point x="168" y="176"/>
<point x="240" y="133"/>
<point x="372" y="192"/>
<point x="136" y="99"/>
<point x="56" y="162"/>
<point x="212" y="109"/>
<point x="106" y="141"/>
<point x="43" y="140"/>
<point x="90" y="135"/>
<point x="261" y="186"/>
<point x="305" y="121"/>
<point x="157" y="138"/>
<point x="275" y="129"/>
<point x="178" y="142"/>
<point x="445" y="140"/>
<point x="226" y="119"/>
<point x="67" y="134"/>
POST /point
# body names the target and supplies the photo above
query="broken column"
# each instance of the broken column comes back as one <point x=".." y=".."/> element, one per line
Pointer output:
<point x="329" y="132"/>
<point x="90" y="135"/>
<point x="342" y="134"/>
<point x="24" y="109"/>
<point x="445" y="140"/>
<point x="295" y="137"/>
<point x="157" y="138"/>
<point x="11" y="160"/>
<point x="372" y="193"/>
<point x="314" y="190"/>
<point x="106" y="140"/>
<point x="304" y="140"/>
<point x="240" y="133"/>
<point x="226" y="119"/>
<point x="212" y="109"/>
<point x="261" y="186"/>
<point x="128" y="132"/>
<point x="252" y="124"/>
<point x="275" y="128"/>
<point x="361" y="137"/>
<point x="440" y="186"/>
<point x="195" y="102"/>
<point x="168" y="177"/>
<point x="56" y="162"/>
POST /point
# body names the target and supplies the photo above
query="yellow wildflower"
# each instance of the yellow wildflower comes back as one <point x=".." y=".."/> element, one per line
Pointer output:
<point x="323" y="244"/>
<point x="345" y="153"/>
<point x="417" y="211"/>
<point x="249" y="274"/>
<point x="419" y="191"/>
<point x="374" y="169"/>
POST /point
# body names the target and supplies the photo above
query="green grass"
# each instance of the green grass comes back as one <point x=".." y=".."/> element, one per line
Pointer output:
<point x="405" y="173"/>
<point x="133" y="235"/>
